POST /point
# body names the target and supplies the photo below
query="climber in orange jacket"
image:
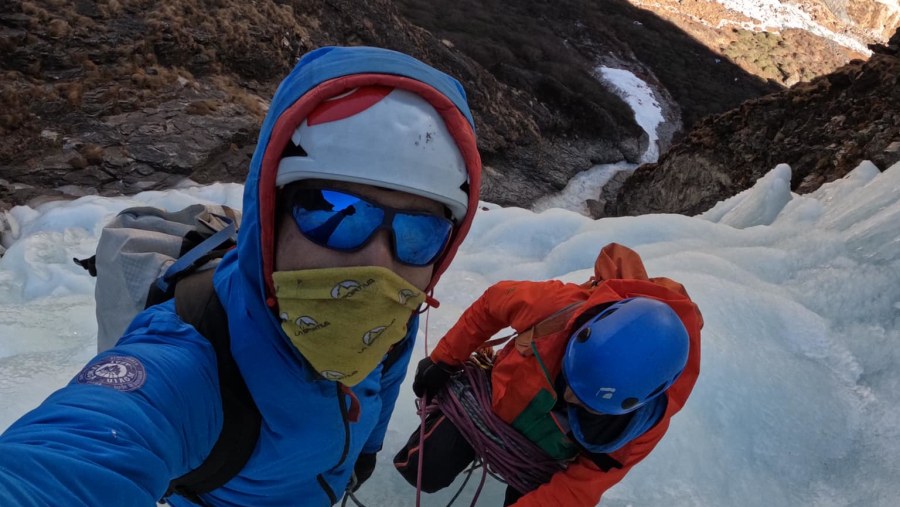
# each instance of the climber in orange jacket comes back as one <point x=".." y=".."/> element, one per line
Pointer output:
<point x="592" y="377"/>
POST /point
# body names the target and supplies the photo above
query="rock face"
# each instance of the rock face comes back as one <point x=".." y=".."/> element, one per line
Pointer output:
<point x="822" y="129"/>
<point x="116" y="97"/>
<point x="788" y="41"/>
<point x="119" y="96"/>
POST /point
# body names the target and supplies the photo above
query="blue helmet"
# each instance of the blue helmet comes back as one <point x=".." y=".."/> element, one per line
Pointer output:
<point x="626" y="355"/>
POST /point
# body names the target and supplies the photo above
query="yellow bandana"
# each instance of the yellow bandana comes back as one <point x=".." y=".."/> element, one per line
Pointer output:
<point x="344" y="320"/>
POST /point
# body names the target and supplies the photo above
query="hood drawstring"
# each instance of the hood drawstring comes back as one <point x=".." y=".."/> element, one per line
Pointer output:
<point x="353" y="413"/>
<point x="430" y="302"/>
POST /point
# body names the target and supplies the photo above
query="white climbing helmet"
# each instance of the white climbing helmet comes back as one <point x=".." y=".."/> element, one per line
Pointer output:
<point x="379" y="136"/>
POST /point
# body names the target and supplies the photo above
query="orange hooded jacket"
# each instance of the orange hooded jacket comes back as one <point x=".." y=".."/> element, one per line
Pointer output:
<point x="516" y="378"/>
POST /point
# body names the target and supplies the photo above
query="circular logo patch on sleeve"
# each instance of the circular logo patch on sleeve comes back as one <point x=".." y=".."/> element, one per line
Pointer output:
<point x="122" y="373"/>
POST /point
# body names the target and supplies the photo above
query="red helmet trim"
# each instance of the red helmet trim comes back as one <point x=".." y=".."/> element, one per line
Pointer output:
<point x="345" y="106"/>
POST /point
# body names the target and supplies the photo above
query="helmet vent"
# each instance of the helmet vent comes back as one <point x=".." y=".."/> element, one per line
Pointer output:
<point x="293" y="150"/>
<point x="629" y="403"/>
<point x="657" y="390"/>
<point x="583" y="335"/>
<point x="607" y="313"/>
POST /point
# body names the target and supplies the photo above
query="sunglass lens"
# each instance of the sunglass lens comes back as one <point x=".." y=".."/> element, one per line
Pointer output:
<point x="335" y="219"/>
<point x="419" y="239"/>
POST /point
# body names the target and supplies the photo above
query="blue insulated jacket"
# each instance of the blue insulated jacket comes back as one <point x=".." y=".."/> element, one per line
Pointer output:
<point x="148" y="410"/>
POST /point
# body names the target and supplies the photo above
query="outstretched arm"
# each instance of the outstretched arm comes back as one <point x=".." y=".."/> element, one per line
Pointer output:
<point x="94" y="444"/>
<point x="586" y="479"/>
<point x="581" y="485"/>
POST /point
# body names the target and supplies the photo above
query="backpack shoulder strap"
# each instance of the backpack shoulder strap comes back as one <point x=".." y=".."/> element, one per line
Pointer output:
<point x="554" y="323"/>
<point x="197" y="304"/>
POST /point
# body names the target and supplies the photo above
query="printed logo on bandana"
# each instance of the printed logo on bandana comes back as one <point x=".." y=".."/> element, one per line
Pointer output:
<point x="307" y="324"/>
<point x="336" y="375"/>
<point x="405" y="295"/>
<point x="122" y="373"/>
<point x="348" y="288"/>
<point x="373" y="334"/>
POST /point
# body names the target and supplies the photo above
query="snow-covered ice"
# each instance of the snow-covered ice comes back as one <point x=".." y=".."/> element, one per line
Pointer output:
<point x="647" y="114"/>
<point x="777" y="15"/>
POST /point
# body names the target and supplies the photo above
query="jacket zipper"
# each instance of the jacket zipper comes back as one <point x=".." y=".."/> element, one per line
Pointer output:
<point x="328" y="491"/>
<point x="342" y="402"/>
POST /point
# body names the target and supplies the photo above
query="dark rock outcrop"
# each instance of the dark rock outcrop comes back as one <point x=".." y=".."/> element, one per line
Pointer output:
<point x="788" y="52"/>
<point x="822" y="129"/>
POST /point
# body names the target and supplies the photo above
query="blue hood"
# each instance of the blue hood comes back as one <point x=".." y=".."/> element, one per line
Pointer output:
<point x="313" y="69"/>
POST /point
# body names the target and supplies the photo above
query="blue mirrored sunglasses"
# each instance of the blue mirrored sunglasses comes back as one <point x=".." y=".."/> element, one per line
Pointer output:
<point x="346" y="222"/>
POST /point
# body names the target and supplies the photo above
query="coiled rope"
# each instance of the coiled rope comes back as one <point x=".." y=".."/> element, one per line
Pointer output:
<point x="508" y="455"/>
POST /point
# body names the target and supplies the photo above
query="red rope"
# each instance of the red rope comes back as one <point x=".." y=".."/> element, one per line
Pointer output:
<point x="421" y="406"/>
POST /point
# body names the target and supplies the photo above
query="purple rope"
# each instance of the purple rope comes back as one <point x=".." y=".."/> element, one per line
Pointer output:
<point x="422" y="412"/>
<point x="506" y="452"/>
<point x="484" y="473"/>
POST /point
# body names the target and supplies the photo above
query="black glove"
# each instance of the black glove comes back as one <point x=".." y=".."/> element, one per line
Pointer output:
<point x="431" y="377"/>
<point x="362" y="470"/>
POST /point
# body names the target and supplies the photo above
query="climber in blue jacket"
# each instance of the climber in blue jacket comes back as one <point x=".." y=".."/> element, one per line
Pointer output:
<point x="362" y="187"/>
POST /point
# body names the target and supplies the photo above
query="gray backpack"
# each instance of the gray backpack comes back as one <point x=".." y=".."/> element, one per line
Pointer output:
<point x="144" y="251"/>
<point x="146" y="256"/>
